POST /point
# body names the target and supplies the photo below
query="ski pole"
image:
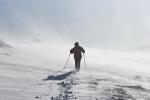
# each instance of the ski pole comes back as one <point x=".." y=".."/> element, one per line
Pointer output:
<point x="67" y="61"/>
<point x="84" y="61"/>
<point x="65" y="64"/>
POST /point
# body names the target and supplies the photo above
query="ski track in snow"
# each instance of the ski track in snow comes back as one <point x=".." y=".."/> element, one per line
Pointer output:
<point x="77" y="86"/>
<point x="68" y="85"/>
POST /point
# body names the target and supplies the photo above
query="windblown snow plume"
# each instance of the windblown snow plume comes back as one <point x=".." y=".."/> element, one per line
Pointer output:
<point x="37" y="35"/>
<point x="35" y="72"/>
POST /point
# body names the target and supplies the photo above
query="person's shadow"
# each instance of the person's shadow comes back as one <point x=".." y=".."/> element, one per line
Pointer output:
<point x="59" y="77"/>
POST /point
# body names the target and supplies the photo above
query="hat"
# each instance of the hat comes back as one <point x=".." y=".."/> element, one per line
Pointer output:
<point x="76" y="44"/>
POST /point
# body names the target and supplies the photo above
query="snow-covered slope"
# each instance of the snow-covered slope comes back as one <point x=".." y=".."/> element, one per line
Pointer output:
<point x="30" y="71"/>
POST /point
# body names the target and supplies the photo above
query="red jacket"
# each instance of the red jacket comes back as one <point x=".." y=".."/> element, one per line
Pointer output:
<point x="77" y="51"/>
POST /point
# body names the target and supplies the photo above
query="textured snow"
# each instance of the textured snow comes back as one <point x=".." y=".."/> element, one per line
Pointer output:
<point x="30" y="71"/>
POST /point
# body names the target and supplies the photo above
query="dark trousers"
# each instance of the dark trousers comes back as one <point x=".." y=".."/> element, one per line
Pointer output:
<point x="77" y="63"/>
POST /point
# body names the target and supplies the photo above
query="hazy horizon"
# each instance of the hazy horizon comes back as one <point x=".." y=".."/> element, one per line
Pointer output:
<point x="94" y="23"/>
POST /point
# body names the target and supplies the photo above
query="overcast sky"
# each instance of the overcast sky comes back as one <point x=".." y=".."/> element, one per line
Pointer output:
<point x="97" y="23"/>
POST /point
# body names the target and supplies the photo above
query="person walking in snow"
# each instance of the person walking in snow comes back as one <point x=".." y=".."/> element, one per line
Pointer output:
<point x="77" y="50"/>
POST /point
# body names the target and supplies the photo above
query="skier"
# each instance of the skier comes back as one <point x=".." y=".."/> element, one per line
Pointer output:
<point x="77" y="55"/>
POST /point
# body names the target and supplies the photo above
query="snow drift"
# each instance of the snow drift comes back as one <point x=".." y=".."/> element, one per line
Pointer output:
<point x="28" y="72"/>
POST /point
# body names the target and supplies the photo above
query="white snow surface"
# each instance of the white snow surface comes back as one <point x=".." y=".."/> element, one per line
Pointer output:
<point x="32" y="71"/>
